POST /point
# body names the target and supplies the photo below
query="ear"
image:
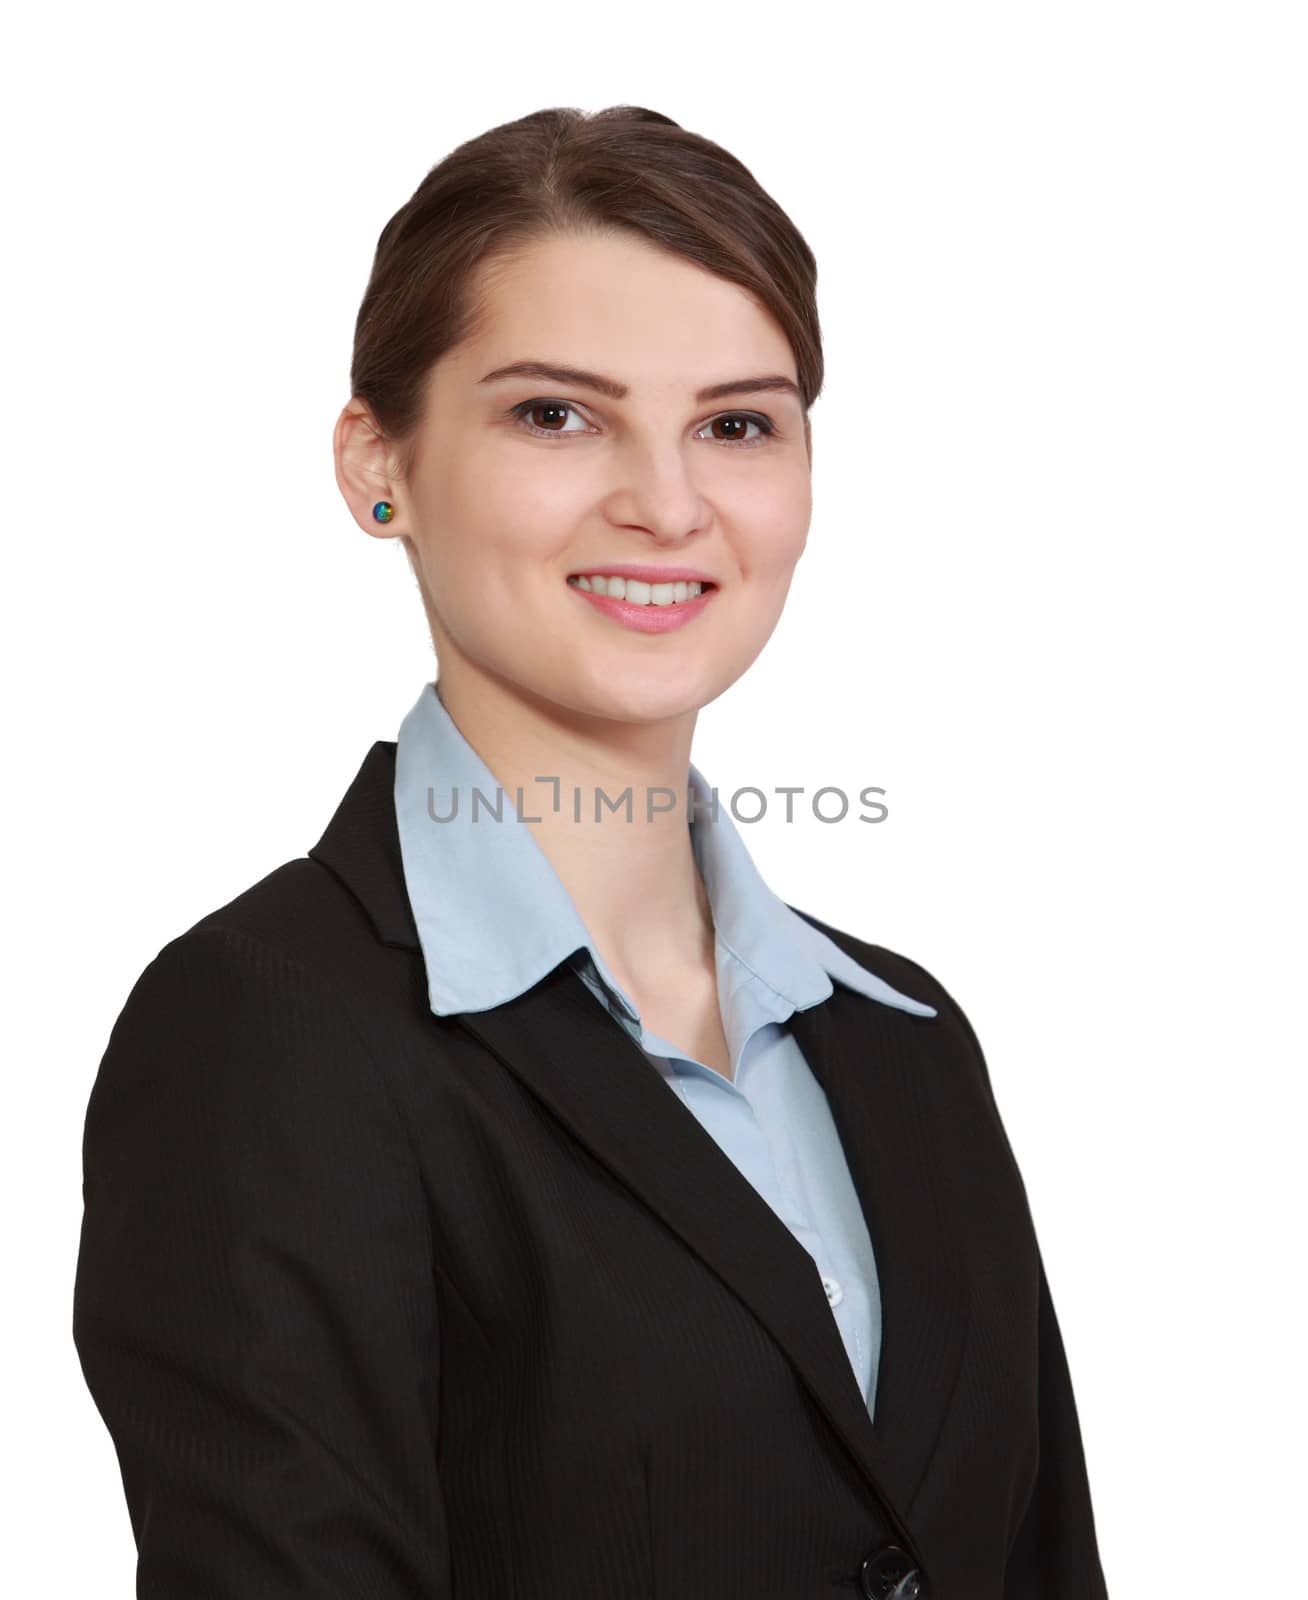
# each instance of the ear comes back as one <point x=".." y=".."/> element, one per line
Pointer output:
<point x="365" y="470"/>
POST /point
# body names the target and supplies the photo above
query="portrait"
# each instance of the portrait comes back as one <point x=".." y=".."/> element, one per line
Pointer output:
<point x="653" y="1025"/>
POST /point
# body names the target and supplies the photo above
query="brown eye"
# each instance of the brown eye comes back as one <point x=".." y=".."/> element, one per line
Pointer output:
<point x="549" y="415"/>
<point x="736" y="423"/>
<point x="545" y="417"/>
<point x="736" y="426"/>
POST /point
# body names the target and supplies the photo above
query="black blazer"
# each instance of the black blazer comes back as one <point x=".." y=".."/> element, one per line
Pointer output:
<point x="381" y="1305"/>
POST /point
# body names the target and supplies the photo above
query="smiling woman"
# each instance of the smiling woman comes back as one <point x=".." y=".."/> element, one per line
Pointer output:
<point x="539" y="1204"/>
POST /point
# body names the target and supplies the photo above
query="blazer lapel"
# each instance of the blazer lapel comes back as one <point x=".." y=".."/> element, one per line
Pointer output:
<point x="882" y="1071"/>
<point x="876" y="1071"/>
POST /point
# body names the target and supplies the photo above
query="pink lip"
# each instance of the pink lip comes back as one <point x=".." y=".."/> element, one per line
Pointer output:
<point x="631" y="569"/>
<point x="645" y="619"/>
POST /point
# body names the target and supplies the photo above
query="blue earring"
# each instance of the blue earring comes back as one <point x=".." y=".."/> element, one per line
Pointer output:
<point x="383" y="511"/>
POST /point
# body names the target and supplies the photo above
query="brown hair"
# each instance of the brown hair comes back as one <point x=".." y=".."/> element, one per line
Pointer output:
<point x="565" y="171"/>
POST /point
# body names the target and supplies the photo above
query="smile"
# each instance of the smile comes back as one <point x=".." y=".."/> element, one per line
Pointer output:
<point x="636" y="593"/>
<point x="644" y="607"/>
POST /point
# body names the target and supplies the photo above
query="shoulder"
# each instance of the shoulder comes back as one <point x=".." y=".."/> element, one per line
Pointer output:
<point x="911" y="978"/>
<point x="296" y="925"/>
<point x="955" y="1044"/>
<point x="279" y="972"/>
<point x="291" y="930"/>
<point x="249" y="1018"/>
<point x="300" y="909"/>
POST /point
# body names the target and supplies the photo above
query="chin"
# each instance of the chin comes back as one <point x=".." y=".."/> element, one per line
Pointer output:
<point x="641" y="703"/>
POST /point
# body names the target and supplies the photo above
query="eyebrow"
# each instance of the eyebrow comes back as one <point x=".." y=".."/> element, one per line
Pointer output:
<point x="618" y="391"/>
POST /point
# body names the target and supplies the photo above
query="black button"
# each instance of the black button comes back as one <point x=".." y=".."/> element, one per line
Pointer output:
<point x="891" y="1574"/>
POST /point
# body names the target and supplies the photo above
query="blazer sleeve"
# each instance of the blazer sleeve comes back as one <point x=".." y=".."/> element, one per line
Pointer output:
<point x="1055" y="1549"/>
<point x="254" y="1306"/>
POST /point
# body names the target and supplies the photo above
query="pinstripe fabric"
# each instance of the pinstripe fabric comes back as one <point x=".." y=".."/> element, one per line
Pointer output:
<point x="381" y="1304"/>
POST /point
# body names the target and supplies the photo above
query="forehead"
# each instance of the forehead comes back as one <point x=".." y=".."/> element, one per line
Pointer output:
<point x="621" y="306"/>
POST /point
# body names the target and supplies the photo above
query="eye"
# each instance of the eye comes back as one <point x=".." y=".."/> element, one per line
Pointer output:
<point x="744" y="419"/>
<point x="549" y="409"/>
<point x="554" y="412"/>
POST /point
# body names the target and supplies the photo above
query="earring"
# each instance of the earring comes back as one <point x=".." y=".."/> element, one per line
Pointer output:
<point x="383" y="511"/>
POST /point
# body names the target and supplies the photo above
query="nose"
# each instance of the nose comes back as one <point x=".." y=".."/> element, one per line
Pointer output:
<point x="659" y="495"/>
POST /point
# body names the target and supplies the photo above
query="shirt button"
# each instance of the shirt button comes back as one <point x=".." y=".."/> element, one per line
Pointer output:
<point x="835" y="1294"/>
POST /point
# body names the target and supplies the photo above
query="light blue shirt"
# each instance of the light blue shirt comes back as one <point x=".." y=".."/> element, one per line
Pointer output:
<point x="493" y="918"/>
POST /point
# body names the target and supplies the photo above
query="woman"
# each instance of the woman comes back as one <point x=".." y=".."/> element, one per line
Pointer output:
<point x="484" y="1207"/>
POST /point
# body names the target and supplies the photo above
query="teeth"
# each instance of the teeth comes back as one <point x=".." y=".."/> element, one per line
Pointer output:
<point x="636" y="593"/>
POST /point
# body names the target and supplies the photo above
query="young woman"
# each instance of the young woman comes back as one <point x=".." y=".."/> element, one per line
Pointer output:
<point x="513" y="1196"/>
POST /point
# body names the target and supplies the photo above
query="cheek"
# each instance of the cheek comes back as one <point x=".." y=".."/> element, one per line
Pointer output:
<point x="775" y="549"/>
<point x="496" y="528"/>
<point x="776" y="518"/>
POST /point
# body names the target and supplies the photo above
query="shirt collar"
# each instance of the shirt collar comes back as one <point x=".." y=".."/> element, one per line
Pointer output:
<point x="493" y="917"/>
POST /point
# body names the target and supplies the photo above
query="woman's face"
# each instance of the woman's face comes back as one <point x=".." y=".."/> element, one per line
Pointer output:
<point x="519" y="482"/>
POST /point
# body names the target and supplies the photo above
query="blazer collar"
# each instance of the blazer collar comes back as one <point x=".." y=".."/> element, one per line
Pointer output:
<point x="881" y="1069"/>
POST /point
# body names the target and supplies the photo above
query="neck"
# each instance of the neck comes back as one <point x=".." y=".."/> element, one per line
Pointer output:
<point x="626" y="862"/>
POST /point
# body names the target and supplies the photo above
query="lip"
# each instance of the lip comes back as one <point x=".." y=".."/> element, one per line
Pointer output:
<point x="645" y="619"/>
<point x="645" y="574"/>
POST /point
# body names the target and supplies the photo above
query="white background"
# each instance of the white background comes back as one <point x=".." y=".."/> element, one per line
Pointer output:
<point x="1052" y="600"/>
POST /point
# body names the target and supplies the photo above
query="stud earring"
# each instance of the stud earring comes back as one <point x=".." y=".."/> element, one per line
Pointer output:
<point x="383" y="511"/>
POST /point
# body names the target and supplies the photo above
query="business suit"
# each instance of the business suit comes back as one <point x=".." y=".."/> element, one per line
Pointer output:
<point x="382" y="1304"/>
